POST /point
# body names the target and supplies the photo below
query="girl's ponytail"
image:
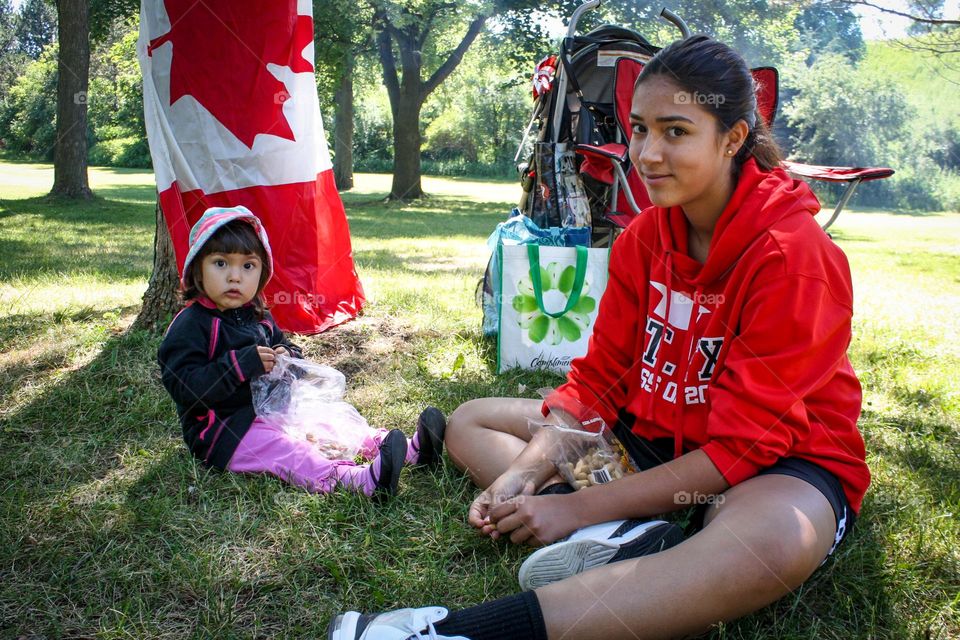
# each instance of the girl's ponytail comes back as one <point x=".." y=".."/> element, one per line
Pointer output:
<point x="761" y="145"/>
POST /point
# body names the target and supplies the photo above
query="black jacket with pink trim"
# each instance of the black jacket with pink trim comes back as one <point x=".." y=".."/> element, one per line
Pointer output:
<point x="207" y="359"/>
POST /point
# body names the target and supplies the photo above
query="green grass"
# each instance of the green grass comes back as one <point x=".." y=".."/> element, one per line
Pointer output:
<point x="109" y="529"/>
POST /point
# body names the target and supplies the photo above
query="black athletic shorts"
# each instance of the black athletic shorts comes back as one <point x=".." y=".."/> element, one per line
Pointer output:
<point x="650" y="453"/>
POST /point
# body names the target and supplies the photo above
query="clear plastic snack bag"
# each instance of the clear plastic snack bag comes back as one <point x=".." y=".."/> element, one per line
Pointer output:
<point x="585" y="451"/>
<point x="305" y="399"/>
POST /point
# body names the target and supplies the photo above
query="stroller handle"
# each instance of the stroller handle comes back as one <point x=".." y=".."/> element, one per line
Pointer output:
<point x="670" y="16"/>
<point x="579" y="11"/>
<point x="589" y="5"/>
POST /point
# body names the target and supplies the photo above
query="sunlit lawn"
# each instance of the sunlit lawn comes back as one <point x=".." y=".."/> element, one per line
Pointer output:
<point x="109" y="529"/>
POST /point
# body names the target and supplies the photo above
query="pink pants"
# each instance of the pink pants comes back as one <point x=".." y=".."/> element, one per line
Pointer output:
<point x="266" y="448"/>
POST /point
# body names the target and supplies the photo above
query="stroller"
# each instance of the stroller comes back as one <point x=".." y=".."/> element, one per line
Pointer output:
<point x="578" y="173"/>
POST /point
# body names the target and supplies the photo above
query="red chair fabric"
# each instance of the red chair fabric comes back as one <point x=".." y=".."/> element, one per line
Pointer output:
<point x="837" y="174"/>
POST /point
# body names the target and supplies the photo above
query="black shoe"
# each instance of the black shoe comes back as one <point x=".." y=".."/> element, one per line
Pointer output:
<point x="431" y="427"/>
<point x="393" y="452"/>
<point x="594" y="546"/>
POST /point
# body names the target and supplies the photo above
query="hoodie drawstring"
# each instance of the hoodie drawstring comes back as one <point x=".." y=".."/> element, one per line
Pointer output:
<point x="677" y="413"/>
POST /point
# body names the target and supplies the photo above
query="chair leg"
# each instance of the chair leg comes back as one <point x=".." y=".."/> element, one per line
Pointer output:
<point x="851" y="186"/>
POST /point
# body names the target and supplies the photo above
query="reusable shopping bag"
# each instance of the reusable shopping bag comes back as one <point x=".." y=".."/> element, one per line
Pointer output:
<point x="519" y="229"/>
<point x="548" y="304"/>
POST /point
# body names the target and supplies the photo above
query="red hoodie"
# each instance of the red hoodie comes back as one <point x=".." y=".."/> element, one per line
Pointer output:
<point x="752" y="365"/>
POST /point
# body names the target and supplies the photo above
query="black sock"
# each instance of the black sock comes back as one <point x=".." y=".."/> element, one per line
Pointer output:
<point x="516" y="617"/>
<point x="556" y="489"/>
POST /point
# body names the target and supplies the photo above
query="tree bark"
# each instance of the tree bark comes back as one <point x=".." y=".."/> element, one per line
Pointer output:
<point x="73" y="67"/>
<point x="408" y="94"/>
<point x="161" y="300"/>
<point x="406" y="147"/>
<point x="343" y="129"/>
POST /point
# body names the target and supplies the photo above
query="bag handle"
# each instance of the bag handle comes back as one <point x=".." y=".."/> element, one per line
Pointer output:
<point x="533" y="253"/>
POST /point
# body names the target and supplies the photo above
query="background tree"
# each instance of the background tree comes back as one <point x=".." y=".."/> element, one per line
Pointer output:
<point x="761" y="30"/>
<point x="342" y="33"/>
<point x="36" y="27"/>
<point x="73" y="68"/>
<point x="842" y="117"/>
<point x="11" y="59"/>
<point x="830" y="28"/>
<point x="413" y="31"/>
<point x="476" y="118"/>
<point x="930" y="30"/>
<point x="28" y="113"/>
<point x="430" y="38"/>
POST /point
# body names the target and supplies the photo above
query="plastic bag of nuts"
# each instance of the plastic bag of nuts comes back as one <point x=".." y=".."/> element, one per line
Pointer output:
<point x="584" y="450"/>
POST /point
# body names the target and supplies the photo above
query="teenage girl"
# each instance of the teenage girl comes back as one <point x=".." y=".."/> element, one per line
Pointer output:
<point x="719" y="358"/>
<point x="224" y="338"/>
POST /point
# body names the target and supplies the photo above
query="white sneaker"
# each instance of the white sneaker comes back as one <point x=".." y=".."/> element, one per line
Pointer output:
<point x="597" y="545"/>
<point x="402" y="624"/>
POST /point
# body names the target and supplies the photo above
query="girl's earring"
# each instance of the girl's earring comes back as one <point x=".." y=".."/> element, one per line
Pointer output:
<point x="729" y="152"/>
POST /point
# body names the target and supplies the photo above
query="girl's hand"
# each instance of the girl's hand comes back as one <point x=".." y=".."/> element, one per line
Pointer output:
<point x="508" y="486"/>
<point x="268" y="357"/>
<point x="536" y="520"/>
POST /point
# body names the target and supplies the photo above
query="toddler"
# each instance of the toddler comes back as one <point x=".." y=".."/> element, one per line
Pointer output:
<point x="225" y="337"/>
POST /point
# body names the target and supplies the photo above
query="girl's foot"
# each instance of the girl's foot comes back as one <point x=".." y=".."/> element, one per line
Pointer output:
<point x="426" y="445"/>
<point x="379" y="478"/>
<point x="594" y="546"/>
<point x="385" y="469"/>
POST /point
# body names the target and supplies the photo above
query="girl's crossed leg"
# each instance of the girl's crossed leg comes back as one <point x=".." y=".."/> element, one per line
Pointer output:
<point x="760" y="540"/>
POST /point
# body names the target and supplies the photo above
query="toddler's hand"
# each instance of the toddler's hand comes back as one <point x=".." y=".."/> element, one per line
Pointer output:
<point x="268" y="357"/>
<point x="281" y="351"/>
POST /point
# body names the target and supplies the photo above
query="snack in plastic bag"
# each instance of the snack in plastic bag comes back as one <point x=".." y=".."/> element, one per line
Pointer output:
<point x="306" y="400"/>
<point x="587" y="452"/>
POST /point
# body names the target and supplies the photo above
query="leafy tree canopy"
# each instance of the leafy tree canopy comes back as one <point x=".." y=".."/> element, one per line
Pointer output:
<point x="36" y="27"/>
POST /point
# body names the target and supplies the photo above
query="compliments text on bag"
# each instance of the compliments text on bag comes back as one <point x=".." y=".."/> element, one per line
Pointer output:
<point x="557" y="362"/>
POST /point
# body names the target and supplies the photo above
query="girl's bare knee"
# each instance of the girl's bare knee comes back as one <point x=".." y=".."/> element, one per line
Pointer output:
<point x="459" y="425"/>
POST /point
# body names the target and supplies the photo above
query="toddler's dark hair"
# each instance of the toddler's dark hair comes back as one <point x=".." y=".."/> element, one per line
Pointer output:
<point x="701" y="65"/>
<point x="236" y="236"/>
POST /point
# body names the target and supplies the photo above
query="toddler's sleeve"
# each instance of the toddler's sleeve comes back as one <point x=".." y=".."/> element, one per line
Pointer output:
<point x="188" y="374"/>
<point x="279" y="339"/>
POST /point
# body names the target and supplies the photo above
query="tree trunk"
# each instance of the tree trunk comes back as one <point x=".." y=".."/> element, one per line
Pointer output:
<point x="406" y="147"/>
<point x="407" y="95"/>
<point x="73" y="68"/>
<point x="161" y="301"/>
<point x="343" y="129"/>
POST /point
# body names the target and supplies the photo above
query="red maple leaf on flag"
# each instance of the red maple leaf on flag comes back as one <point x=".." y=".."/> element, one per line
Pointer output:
<point x="221" y="49"/>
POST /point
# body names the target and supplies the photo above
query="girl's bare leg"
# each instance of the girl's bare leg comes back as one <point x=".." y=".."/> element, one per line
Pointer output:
<point x="485" y="435"/>
<point x="764" y="540"/>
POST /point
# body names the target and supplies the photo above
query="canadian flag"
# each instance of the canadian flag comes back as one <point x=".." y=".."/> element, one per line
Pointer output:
<point x="232" y="117"/>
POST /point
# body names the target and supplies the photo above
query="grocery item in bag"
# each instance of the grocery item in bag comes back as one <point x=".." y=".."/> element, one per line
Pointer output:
<point x="584" y="450"/>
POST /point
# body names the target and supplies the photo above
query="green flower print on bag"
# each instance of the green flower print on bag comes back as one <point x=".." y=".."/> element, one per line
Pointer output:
<point x="557" y="283"/>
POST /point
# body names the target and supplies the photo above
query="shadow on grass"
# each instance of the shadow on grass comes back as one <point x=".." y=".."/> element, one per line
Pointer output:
<point x="838" y="236"/>
<point x="23" y="328"/>
<point x="100" y="237"/>
<point x="112" y="527"/>
<point x="100" y="212"/>
<point x="140" y="194"/>
<point x="127" y="534"/>
<point x="419" y="265"/>
<point x="929" y="454"/>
